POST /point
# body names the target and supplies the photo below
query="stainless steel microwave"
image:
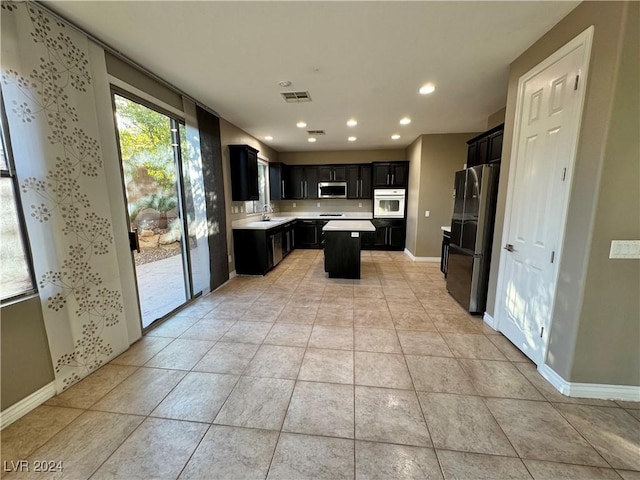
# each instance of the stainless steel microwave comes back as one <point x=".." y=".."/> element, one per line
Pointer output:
<point x="332" y="190"/>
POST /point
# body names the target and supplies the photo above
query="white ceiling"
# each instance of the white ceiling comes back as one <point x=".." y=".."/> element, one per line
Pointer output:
<point x="357" y="59"/>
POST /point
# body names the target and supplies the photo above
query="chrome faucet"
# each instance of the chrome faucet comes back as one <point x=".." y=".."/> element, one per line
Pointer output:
<point x="266" y="208"/>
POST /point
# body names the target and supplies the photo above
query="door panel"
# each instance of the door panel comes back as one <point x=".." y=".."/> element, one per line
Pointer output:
<point x="150" y="156"/>
<point x="544" y="148"/>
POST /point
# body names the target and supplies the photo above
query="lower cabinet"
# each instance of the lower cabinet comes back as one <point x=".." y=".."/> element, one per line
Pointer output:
<point x="390" y="234"/>
<point x="258" y="251"/>
<point x="308" y="234"/>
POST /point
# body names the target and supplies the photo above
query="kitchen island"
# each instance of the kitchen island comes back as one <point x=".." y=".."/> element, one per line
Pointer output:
<point x="342" y="247"/>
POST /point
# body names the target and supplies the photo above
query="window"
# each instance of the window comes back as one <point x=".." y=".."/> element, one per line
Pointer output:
<point x="16" y="277"/>
<point x="257" y="206"/>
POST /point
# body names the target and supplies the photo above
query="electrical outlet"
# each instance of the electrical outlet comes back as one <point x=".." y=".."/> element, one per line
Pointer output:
<point x="427" y="213"/>
<point x="295" y="204"/>
<point x="229" y="258"/>
<point x="241" y="209"/>
<point x="360" y="204"/>
<point x="318" y="204"/>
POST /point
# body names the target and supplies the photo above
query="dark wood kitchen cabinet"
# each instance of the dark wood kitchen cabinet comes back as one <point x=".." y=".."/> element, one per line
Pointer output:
<point x="359" y="181"/>
<point x="276" y="181"/>
<point x="332" y="173"/>
<point x="390" y="174"/>
<point x="254" y="248"/>
<point x="301" y="182"/>
<point x="244" y="173"/>
<point x="486" y="147"/>
<point x="390" y="234"/>
<point x="308" y="233"/>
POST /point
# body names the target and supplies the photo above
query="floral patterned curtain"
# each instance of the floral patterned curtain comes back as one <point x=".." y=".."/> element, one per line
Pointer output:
<point x="47" y="90"/>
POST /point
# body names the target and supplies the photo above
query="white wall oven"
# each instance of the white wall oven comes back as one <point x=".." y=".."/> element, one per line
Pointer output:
<point x="389" y="203"/>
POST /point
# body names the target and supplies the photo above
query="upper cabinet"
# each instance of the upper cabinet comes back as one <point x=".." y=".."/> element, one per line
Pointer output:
<point x="359" y="181"/>
<point x="301" y="182"/>
<point x="244" y="173"/>
<point x="277" y="188"/>
<point x="485" y="148"/>
<point x="390" y="174"/>
<point x="332" y="173"/>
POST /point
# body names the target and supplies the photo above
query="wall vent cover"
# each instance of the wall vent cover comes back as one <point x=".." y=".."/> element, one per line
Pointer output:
<point x="296" y="97"/>
<point x="316" y="132"/>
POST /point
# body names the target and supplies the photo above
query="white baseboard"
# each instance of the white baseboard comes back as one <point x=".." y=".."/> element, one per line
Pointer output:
<point x="24" y="406"/>
<point x="489" y="320"/>
<point x="421" y="259"/>
<point x="590" y="390"/>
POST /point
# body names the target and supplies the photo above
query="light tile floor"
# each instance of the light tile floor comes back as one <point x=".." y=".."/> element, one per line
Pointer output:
<point x="296" y="376"/>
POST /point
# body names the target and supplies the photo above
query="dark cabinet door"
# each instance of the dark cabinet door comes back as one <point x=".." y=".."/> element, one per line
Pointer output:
<point x="306" y="234"/>
<point x="399" y="174"/>
<point x="311" y="182"/>
<point x="276" y="181"/>
<point x="381" y="175"/>
<point x="353" y="181"/>
<point x="294" y="183"/>
<point x="483" y="151"/>
<point x="472" y="155"/>
<point x="495" y="146"/>
<point x="339" y="174"/>
<point x="325" y="174"/>
<point x="365" y="181"/>
<point x="396" y="236"/>
<point x="244" y="173"/>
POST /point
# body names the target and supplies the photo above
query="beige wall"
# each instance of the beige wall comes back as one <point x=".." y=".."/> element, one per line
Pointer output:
<point x="496" y="118"/>
<point x="232" y="135"/>
<point x="25" y="359"/>
<point x="414" y="155"/>
<point x="442" y="155"/>
<point x="611" y="309"/>
<point x="569" y="309"/>
<point x="345" y="156"/>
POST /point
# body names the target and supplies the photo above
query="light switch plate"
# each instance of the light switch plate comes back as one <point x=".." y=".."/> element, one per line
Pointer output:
<point x="625" y="249"/>
<point x="427" y="213"/>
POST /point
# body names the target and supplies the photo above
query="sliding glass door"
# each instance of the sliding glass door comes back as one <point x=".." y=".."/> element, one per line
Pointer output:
<point x="151" y="144"/>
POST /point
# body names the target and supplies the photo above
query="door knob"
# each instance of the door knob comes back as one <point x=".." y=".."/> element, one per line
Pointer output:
<point x="509" y="248"/>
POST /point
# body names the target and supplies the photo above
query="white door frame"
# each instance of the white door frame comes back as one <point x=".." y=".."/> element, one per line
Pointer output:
<point x="583" y="39"/>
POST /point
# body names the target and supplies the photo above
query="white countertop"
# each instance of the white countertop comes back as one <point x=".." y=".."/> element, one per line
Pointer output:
<point x="261" y="225"/>
<point x="349" y="226"/>
<point x="254" y="223"/>
<point x="446" y="229"/>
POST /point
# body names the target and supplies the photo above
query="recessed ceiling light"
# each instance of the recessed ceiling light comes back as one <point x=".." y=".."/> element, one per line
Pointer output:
<point x="301" y="125"/>
<point x="395" y="136"/>
<point x="405" y="121"/>
<point x="352" y="139"/>
<point x="311" y="139"/>
<point x="268" y="138"/>
<point x="285" y="83"/>
<point x="427" y="89"/>
<point x="352" y="122"/>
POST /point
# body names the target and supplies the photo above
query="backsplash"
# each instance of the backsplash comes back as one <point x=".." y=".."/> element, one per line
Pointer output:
<point x="326" y="205"/>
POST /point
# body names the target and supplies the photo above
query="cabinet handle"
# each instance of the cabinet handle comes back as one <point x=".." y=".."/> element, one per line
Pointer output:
<point x="388" y="175"/>
<point x="282" y="192"/>
<point x="393" y="178"/>
<point x="301" y="188"/>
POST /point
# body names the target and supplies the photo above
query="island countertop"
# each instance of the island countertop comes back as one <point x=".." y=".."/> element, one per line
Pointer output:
<point x="349" y="226"/>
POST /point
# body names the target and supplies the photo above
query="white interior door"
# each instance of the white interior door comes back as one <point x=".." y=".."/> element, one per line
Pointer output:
<point x="550" y="99"/>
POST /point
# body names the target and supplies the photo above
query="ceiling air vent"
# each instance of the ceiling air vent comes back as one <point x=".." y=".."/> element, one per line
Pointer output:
<point x="296" y="97"/>
<point x="316" y="132"/>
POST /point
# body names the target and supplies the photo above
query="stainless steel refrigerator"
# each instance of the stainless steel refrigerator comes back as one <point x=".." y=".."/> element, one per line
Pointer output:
<point x="474" y="212"/>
